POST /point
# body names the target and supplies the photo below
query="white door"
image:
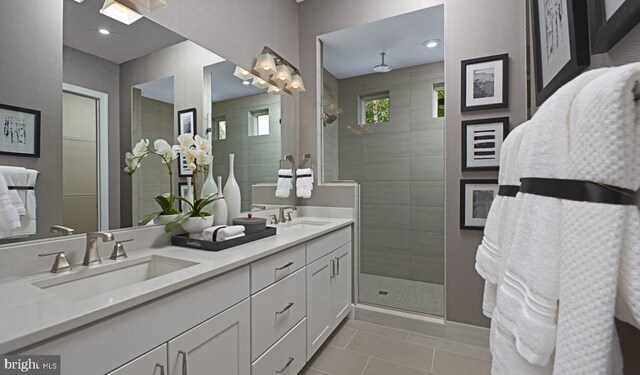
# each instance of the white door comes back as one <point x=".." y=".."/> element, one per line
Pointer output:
<point x="319" y="305"/>
<point x="220" y="345"/>
<point x="152" y="363"/>
<point x="341" y="283"/>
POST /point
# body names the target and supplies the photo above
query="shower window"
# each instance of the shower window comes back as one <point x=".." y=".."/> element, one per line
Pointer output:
<point x="220" y="129"/>
<point x="375" y="108"/>
<point x="259" y="123"/>
<point x="438" y="100"/>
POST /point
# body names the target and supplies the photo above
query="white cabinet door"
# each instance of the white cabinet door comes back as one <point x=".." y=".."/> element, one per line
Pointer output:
<point x="220" y="345"/>
<point x="341" y="283"/>
<point x="152" y="363"/>
<point x="319" y="303"/>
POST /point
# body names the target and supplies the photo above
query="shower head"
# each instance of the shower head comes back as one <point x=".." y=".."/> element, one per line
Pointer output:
<point x="328" y="119"/>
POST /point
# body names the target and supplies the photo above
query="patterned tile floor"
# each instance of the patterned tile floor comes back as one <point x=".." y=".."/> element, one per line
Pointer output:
<point x="361" y="348"/>
<point x="402" y="294"/>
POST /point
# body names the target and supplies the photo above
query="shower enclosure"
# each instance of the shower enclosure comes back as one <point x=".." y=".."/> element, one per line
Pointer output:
<point x="386" y="131"/>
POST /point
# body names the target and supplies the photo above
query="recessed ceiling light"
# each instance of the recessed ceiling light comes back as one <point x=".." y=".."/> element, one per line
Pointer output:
<point x="432" y="43"/>
<point x="104" y="31"/>
<point x="79" y="1"/>
<point x="246" y="82"/>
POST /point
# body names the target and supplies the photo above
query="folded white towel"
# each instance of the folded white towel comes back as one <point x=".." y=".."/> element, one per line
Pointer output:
<point x="21" y="177"/>
<point x="527" y="294"/>
<point x="9" y="218"/>
<point x="285" y="184"/>
<point x="603" y="148"/>
<point x="304" y="182"/>
<point x="223" y="232"/>
<point x="227" y="238"/>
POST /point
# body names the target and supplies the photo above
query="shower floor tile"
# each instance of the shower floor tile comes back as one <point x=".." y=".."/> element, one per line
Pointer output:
<point x="402" y="294"/>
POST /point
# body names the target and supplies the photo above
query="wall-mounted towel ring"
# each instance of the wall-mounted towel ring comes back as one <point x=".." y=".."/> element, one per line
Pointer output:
<point x="305" y="160"/>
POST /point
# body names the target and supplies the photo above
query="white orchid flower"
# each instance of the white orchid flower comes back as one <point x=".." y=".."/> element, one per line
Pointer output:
<point x="202" y="144"/>
<point x="164" y="149"/>
<point x="141" y="148"/>
<point x="185" y="141"/>
<point x="132" y="163"/>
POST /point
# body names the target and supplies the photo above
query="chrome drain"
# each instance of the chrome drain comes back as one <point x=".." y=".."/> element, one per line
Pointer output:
<point x="383" y="292"/>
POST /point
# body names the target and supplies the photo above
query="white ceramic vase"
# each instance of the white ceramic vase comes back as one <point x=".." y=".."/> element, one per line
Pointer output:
<point x="197" y="224"/>
<point x="220" y="212"/>
<point x="164" y="219"/>
<point x="232" y="193"/>
<point x="209" y="187"/>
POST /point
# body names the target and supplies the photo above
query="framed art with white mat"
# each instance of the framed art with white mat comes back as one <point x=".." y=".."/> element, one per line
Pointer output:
<point x="476" y="197"/>
<point x="187" y="124"/>
<point x="485" y="83"/>
<point x="481" y="143"/>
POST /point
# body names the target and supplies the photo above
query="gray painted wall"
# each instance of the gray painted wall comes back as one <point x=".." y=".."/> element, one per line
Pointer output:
<point x="91" y="72"/>
<point x="400" y="166"/>
<point x="475" y="29"/>
<point x="31" y="77"/>
<point x="330" y="133"/>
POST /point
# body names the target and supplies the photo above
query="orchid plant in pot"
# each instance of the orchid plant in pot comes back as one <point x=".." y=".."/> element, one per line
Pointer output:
<point x="167" y="154"/>
<point x="197" y="152"/>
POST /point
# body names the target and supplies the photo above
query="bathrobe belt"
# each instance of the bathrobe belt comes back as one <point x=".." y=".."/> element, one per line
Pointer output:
<point x="576" y="190"/>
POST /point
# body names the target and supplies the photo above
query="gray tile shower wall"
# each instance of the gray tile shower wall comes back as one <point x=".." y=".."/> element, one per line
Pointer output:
<point x="400" y="165"/>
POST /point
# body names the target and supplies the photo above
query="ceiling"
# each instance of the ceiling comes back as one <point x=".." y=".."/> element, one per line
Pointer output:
<point x="81" y="24"/>
<point x="355" y="51"/>
<point x="224" y="85"/>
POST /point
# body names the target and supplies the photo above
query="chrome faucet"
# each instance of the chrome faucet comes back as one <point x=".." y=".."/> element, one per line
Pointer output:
<point x="91" y="256"/>
<point x="65" y="231"/>
<point x="258" y="207"/>
<point x="281" y="218"/>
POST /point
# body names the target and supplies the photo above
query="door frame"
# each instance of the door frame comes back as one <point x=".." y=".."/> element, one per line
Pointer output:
<point x="103" y="148"/>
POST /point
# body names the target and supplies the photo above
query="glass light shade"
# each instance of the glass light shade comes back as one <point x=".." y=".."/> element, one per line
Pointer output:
<point x="283" y="74"/>
<point x="260" y="83"/>
<point x="296" y="84"/>
<point x="274" y="90"/>
<point x="266" y="64"/>
<point x="119" y="12"/>
<point x="242" y="74"/>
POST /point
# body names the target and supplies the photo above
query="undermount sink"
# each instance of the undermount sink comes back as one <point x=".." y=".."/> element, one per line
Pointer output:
<point x="92" y="282"/>
<point x="301" y="224"/>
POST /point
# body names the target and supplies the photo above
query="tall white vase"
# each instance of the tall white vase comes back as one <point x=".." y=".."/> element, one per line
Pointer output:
<point x="209" y="187"/>
<point x="232" y="193"/>
<point x="220" y="212"/>
<point x="190" y="194"/>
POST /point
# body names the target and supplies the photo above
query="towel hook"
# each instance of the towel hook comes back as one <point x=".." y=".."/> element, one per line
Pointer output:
<point x="291" y="161"/>
<point x="307" y="158"/>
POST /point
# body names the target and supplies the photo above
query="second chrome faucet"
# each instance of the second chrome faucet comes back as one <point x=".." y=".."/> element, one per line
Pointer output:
<point x="92" y="256"/>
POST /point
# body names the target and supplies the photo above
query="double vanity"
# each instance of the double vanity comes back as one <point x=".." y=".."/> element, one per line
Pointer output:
<point x="260" y="308"/>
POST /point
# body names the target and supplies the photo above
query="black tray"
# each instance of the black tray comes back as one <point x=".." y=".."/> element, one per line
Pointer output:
<point x="184" y="240"/>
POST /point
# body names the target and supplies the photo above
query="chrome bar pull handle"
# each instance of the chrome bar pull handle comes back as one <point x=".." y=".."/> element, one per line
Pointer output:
<point x="285" y="266"/>
<point x="184" y="362"/>
<point x="284" y="309"/>
<point x="332" y="270"/>
<point x="286" y="366"/>
<point x="337" y="265"/>
<point x="161" y="367"/>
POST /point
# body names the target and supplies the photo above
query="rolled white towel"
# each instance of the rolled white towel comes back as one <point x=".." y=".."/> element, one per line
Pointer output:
<point x="222" y="232"/>
<point x="304" y="182"/>
<point x="285" y="184"/>
<point x="220" y="239"/>
<point x="16" y="176"/>
<point x="9" y="218"/>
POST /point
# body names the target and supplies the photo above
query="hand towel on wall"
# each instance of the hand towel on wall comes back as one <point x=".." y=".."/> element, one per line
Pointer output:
<point x="9" y="218"/>
<point x="490" y="252"/>
<point x="604" y="149"/>
<point x="284" y="185"/>
<point x="25" y="201"/>
<point x="304" y="182"/>
<point x="527" y="292"/>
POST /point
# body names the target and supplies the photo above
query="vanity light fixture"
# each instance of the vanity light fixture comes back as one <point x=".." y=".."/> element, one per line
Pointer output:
<point x="104" y="31"/>
<point x="266" y="64"/>
<point x="119" y="12"/>
<point x="276" y="71"/>
<point x="431" y="43"/>
<point x="283" y="75"/>
<point x="296" y="84"/>
<point x="260" y="83"/>
<point x="275" y="90"/>
<point x="242" y="74"/>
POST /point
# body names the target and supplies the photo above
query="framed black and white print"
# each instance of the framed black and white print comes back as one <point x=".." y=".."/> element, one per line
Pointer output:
<point x="476" y="197"/>
<point x="20" y="131"/>
<point x="485" y="83"/>
<point x="187" y="124"/>
<point x="610" y="21"/>
<point x="481" y="143"/>
<point x="183" y="191"/>
<point x="561" y="44"/>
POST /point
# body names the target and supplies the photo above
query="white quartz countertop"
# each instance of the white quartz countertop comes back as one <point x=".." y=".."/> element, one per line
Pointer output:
<point x="29" y="314"/>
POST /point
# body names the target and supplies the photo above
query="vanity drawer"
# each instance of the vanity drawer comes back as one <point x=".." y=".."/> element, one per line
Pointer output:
<point x="288" y="355"/>
<point x="275" y="310"/>
<point x="276" y="267"/>
<point x="322" y="246"/>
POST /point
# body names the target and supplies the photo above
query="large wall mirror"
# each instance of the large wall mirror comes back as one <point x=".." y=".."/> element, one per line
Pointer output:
<point x="122" y="83"/>
<point x="383" y="126"/>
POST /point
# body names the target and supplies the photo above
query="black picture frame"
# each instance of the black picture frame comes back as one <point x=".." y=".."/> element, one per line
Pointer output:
<point x="503" y="60"/>
<point x="27" y="122"/>
<point x="578" y="39"/>
<point x="484" y="206"/>
<point x="187" y="124"/>
<point x="605" y="33"/>
<point x="181" y="186"/>
<point x="502" y="127"/>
